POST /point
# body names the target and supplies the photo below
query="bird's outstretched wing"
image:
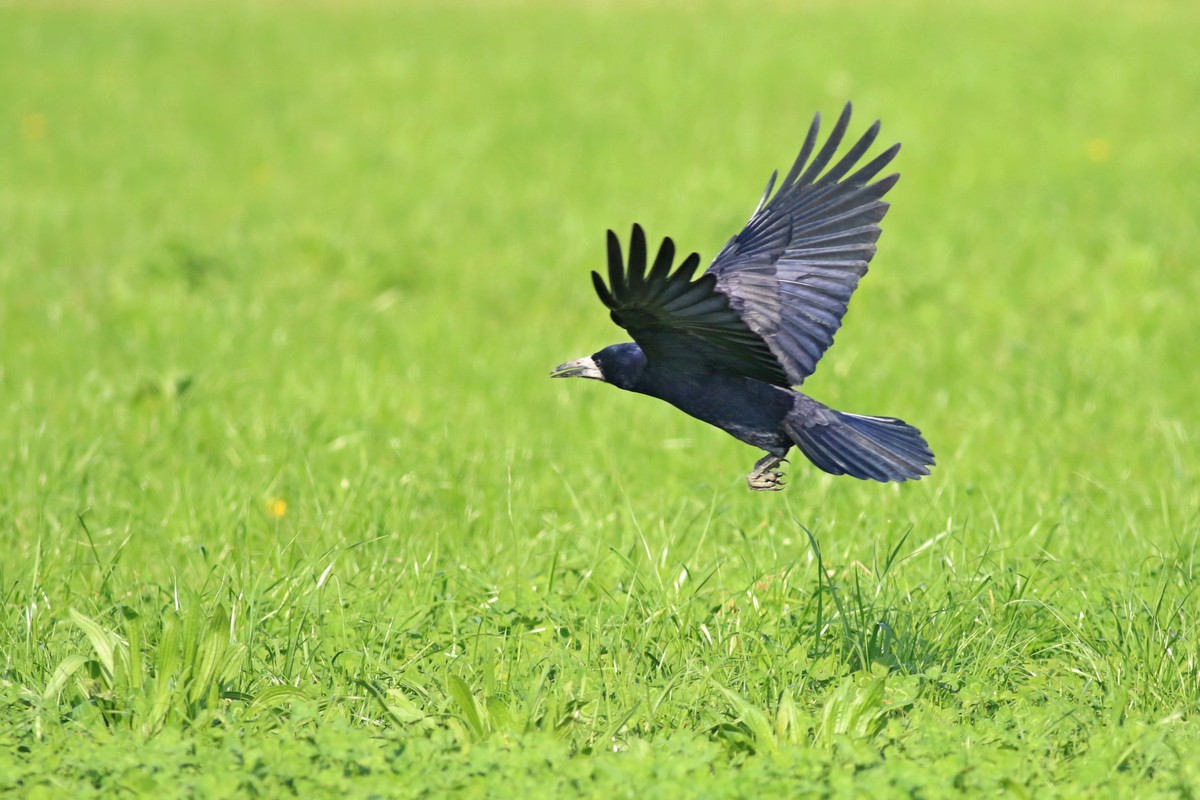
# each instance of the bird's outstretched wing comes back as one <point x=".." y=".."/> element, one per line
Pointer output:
<point x="681" y="324"/>
<point x="792" y="269"/>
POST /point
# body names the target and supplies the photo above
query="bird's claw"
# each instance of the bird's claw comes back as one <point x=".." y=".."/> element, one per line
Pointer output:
<point x="765" y="478"/>
<point x="765" y="481"/>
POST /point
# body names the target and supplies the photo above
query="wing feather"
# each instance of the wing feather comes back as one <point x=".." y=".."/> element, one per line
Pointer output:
<point x="791" y="271"/>
<point x="680" y="323"/>
<point x="831" y="145"/>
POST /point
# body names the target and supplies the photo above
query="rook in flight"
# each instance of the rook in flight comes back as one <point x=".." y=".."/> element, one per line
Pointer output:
<point x="728" y="347"/>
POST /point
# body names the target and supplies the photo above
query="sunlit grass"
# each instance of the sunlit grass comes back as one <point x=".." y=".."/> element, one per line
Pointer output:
<point x="288" y="500"/>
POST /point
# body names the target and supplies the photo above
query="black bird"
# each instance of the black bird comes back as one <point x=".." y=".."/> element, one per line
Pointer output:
<point x="728" y="347"/>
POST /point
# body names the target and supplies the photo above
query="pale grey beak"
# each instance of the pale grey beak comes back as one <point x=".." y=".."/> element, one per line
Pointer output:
<point x="579" y="368"/>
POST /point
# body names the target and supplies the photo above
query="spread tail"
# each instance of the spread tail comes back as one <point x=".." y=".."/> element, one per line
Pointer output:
<point x="869" y="448"/>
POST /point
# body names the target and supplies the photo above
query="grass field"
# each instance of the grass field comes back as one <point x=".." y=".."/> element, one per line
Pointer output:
<point x="289" y="506"/>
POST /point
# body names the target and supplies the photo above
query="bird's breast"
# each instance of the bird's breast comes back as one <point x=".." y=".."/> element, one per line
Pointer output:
<point x="747" y="409"/>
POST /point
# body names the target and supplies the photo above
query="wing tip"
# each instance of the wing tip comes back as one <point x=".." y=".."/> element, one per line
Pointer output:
<point x="602" y="291"/>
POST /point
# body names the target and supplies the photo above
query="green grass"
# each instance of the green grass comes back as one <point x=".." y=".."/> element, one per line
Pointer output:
<point x="288" y="504"/>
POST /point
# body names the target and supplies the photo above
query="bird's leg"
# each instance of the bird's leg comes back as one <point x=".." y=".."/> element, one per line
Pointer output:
<point x="765" y="478"/>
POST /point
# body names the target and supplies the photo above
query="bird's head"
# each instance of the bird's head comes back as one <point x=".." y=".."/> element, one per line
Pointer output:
<point x="618" y="364"/>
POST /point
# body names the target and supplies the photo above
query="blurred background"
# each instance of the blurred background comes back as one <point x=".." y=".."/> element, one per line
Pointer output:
<point x="280" y="288"/>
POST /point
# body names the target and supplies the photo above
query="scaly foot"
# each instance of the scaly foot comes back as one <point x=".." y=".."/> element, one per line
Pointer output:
<point x="765" y="478"/>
